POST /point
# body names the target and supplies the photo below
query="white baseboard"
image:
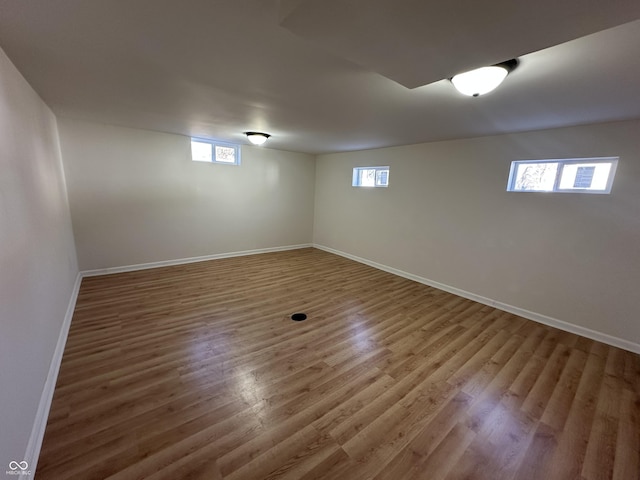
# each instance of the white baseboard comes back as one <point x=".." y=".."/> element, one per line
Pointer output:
<point x="536" y="317"/>
<point x="40" y="424"/>
<point x="182" y="261"/>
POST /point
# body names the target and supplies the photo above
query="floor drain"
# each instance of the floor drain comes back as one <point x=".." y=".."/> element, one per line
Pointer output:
<point x="298" y="317"/>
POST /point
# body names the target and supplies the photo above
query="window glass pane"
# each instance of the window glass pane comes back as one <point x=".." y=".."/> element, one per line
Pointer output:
<point x="382" y="177"/>
<point x="583" y="176"/>
<point x="580" y="175"/>
<point x="200" y="151"/>
<point x="225" y="154"/>
<point x="368" y="177"/>
<point x="535" y="176"/>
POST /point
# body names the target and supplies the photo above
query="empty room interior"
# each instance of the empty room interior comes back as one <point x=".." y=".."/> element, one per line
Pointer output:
<point x="320" y="239"/>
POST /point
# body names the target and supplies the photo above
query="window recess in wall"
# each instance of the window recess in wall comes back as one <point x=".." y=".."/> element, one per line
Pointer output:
<point x="569" y="175"/>
<point x="213" y="151"/>
<point x="370" y="177"/>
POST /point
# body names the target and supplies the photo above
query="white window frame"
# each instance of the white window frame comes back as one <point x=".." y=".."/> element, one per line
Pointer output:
<point x="355" y="178"/>
<point x="562" y="162"/>
<point x="214" y="144"/>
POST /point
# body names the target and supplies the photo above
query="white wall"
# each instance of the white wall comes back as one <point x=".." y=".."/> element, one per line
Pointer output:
<point x="447" y="217"/>
<point x="37" y="256"/>
<point x="136" y="197"/>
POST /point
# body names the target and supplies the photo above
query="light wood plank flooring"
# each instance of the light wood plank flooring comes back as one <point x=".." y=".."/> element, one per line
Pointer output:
<point x="196" y="371"/>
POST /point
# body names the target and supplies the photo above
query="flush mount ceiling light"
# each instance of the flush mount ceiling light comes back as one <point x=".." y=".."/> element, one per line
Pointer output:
<point x="257" y="138"/>
<point x="483" y="80"/>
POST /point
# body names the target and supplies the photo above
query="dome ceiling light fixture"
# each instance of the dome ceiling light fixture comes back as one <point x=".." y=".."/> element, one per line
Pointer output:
<point x="483" y="80"/>
<point x="257" y="138"/>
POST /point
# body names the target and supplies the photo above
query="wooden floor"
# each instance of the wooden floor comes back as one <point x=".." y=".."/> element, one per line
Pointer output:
<point x="197" y="371"/>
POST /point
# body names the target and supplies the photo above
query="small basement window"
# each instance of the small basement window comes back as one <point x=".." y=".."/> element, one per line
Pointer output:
<point x="581" y="175"/>
<point x="370" y="177"/>
<point x="204" y="150"/>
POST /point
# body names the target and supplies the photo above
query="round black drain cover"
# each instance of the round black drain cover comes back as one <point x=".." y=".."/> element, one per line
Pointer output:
<point x="298" y="317"/>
